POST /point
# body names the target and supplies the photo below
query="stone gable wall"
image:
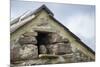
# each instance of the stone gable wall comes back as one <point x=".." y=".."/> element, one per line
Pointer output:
<point x="62" y="47"/>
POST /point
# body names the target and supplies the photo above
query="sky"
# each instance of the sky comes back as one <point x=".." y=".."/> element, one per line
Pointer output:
<point x="79" y="19"/>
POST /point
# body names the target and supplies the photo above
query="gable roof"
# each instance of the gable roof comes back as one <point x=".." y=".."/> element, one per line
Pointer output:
<point x="20" y="21"/>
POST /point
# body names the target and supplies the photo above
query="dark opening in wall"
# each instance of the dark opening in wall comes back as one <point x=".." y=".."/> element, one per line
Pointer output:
<point x="42" y="41"/>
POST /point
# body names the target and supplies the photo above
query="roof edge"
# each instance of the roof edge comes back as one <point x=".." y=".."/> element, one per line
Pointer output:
<point x="76" y="37"/>
<point x="45" y="8"/>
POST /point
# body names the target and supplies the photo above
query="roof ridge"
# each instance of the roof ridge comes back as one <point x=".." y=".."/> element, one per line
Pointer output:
<point x="45" y="8"/>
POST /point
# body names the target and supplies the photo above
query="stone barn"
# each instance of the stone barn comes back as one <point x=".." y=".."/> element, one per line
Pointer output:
<point x="38" y="38"/>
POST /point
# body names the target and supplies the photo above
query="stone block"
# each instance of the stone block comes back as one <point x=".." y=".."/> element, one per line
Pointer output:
<point x="25" y="52"/>
<point x="50" y="48"/>
<point x="62" y="48"/>
<point x="54" y="38"/>
<point x="30" y="51"/>
<point x="65" y="40"/>
<point x="27" y="34"/>
<point x="27" y="40"/>
<point x="42" y="49"/>
<point x="14" y="54"/>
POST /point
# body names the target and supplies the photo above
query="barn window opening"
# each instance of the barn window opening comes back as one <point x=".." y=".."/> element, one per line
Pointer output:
<point x="42" y="39"/>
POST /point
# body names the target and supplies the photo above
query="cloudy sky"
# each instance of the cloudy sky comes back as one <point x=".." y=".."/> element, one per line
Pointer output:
<point x="80" y="19"/>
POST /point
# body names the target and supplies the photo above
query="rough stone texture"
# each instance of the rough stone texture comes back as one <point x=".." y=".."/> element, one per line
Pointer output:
<point x="47" y="59"/>
<point x="68" y="58"/>
<point x="50" y="47"/>
<point x="27" y="40"/>
<point x="24" y="52"/>
<point x="48" y="56"/>
<point x="79" y="56"/>
<point x="62" y="48"/>
<point x="54" y="37"/>
<point x="64" y="40"/>
<point x="14" y="54"/>
<point x="59" y="48"/>
<point x="55" y="50"/>
<point x="42" y="49"/>
<point x="52" y="59"/>
<point x="29" y="51"/>
<point x="27" y="34"/>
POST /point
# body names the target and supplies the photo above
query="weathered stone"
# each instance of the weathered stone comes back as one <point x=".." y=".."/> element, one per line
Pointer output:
<point x="59" y="48"/>
<point x="14" y="54"/>
<point x="79" y="56"/>
<point x="24" y="52"/>
<point x="27" y="40"/>
<point x="64" y="40"/>
<point x="30" y="51"/>
<point x="68" y="57"/>
<point x="50" y="48"/>
<point x="42" y="49"/>
<point x="62" y="48"/>
<point x="54" y="38"/>
<point x="48" y="56"/>
<point x="27" y="34"/>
